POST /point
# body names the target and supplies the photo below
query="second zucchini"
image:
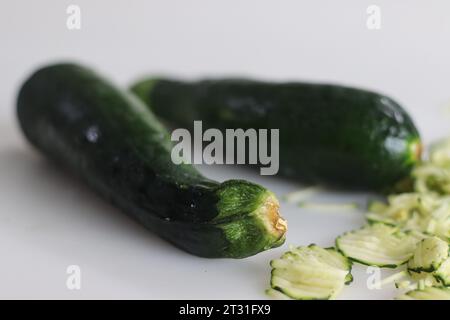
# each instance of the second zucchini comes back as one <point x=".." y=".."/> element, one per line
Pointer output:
<point x="329" y="134"/>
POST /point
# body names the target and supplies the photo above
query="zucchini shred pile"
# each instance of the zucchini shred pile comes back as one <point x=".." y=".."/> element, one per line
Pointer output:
<point x="409" y="231"/>
<point x="309" y="273"/>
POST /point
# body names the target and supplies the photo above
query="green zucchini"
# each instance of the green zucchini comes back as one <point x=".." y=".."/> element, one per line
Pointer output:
<point x="328" y="134"/>
<point x="116" y="145"/>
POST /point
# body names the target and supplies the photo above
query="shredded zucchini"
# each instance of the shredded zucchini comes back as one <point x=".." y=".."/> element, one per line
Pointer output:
<point x="430" y="264"/>
<point x="302" y="194"/>
<point x="311" y="272"/>
<point x="410" y="230"/>
<point x="405" y="284"/>
<point x="439" y="152"/>
<point x="396" y="278"/>
<point x="442" y="274"/>
<point x="277" y="295"/>
<point x="329" y="206"/>
<point x="377" y="206"/>
<point x="427" y="213"/>
<point x="432" y="178"/>
<point x="377" y="245"/>
<point x="429" y="255"/>
<point x="427" y="293"/>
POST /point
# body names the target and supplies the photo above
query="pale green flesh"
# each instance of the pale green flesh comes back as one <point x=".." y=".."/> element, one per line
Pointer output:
<point x="429" y="293"/>
<point x="307" y="273"/>
<point x="377" y="245"/>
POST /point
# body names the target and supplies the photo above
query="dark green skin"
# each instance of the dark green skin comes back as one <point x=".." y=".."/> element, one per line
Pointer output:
<point x="115" y="144"/>
<point x="329" y="134"/>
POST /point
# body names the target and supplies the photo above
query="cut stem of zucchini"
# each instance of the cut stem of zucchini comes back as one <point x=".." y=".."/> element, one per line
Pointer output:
<point x="307" y="273"/>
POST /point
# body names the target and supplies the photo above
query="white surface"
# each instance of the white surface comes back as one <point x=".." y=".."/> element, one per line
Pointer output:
<point x="49" y="221"/>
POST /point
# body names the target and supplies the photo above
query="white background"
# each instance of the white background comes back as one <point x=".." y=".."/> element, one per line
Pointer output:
<point x="49" y="221"/>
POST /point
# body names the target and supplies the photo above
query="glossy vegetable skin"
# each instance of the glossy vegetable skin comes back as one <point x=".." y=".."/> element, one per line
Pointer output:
<point x="116" y="145"/>
<point x="329" y="134"/>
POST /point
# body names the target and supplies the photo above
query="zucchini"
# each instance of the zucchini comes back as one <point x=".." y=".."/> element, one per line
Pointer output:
<point x="311" y="272"/>
<point x="431" y="261"/>
<point x="277" y="295"/>
<point x="116" y="145"/>
<point x="422" y="212"/>
<point x="331" y="207"/>
<point x="439" y="152"/>
<point x="427" y="293"/>
<point x="429" y="255"/>
<point x="302" y="194"/>
<point x="442" y="274"/>
<point x="428" y="266"/>
<point x="377" y="245"/>
<point x="432" y="178"/>
<point x="329" y="134"/>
